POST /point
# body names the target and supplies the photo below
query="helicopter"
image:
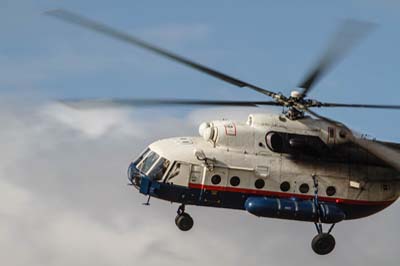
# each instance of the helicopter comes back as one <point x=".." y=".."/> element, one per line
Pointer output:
<point x="297" y="165"/>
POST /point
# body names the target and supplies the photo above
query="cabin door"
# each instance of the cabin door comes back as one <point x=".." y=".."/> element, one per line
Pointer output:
<point x="213" y="186"/>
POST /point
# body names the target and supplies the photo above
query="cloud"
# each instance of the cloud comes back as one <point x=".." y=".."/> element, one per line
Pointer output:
<point x="94" y="123"/>
<point x="64" y="200"/>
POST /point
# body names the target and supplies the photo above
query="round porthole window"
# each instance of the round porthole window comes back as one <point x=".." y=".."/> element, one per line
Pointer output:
<point x="235" y="181"/>
<point x="260" y="183"/>
<point x="285" y="186"/>
<point x="330" y="191"/>
<point x="216" y="179"/>
<point x="304" y="188"/>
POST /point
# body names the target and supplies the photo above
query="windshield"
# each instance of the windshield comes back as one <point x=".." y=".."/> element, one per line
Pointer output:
<point x="159" y="169"/>
<point x="142" y="155"/>
<point x="146" y="164"/>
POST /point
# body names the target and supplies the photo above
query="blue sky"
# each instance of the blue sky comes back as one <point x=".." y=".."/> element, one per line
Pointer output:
<point x="63" y="193"/>
<point x="269" y="43"/>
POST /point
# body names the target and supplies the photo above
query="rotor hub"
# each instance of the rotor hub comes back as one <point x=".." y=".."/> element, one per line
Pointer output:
<point x="295" y="94"/>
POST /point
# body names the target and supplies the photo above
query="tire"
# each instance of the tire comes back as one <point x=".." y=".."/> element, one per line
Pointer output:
<point x="323" y="244"/>
<point x="184" y="222"/>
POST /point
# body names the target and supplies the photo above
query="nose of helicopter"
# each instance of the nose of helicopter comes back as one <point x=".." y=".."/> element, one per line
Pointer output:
<point x="140" y="181"/>
<point x="134" y="176"/>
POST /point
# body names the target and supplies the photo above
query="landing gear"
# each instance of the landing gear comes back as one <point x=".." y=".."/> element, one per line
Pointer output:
<point x="183" y="220"/>
<point x="322" y="243"/>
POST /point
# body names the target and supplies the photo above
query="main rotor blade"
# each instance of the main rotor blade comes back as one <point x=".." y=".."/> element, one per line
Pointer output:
<point x="349" y="34"/>
<point x="379" y="149"/>
<point x="328" y="120"/>
<point x="76" y="19"/>
<point x="106" y="103"/>
<point x="377" y="106"/>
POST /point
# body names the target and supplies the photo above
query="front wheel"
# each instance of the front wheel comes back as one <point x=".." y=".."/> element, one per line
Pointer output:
<point x="184" y="221"/>
<point x="323" y="243"/>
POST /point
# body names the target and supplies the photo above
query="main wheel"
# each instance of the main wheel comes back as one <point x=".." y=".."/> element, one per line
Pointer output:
<point x="323" y="244"/>
<point x="184" y="222"/>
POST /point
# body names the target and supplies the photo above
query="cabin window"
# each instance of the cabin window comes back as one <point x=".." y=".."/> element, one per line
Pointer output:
<point x="304" y="188"/>
<point x="216" y="179"/>
<point x="235" y="181"/>
<point x="330" y="191"/>
<point x="285" y="186"/>
<point x="342" y="134"/>
<point x="260" y="183"/>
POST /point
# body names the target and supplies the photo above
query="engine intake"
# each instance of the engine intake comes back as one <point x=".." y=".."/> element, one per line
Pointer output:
<point x="275" y="141"/>
<point x="288" y="143"/>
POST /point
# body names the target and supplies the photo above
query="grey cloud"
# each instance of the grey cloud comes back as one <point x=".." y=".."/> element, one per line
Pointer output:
<point x="64" y="201"/>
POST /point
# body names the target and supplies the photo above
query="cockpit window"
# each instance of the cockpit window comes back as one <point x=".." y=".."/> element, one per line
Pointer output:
<point x="142" y="155"/>
<point x="159" y="169"/>
<point x="151" y="158"/>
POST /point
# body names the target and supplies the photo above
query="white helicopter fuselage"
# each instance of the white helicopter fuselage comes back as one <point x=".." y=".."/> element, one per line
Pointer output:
<point x="237" y="165"/>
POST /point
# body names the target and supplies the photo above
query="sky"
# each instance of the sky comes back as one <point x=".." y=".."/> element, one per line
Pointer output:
<point x="63" y="193"/>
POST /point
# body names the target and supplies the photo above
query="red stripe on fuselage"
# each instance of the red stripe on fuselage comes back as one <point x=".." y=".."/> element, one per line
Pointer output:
<point x="288" y="195"/>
